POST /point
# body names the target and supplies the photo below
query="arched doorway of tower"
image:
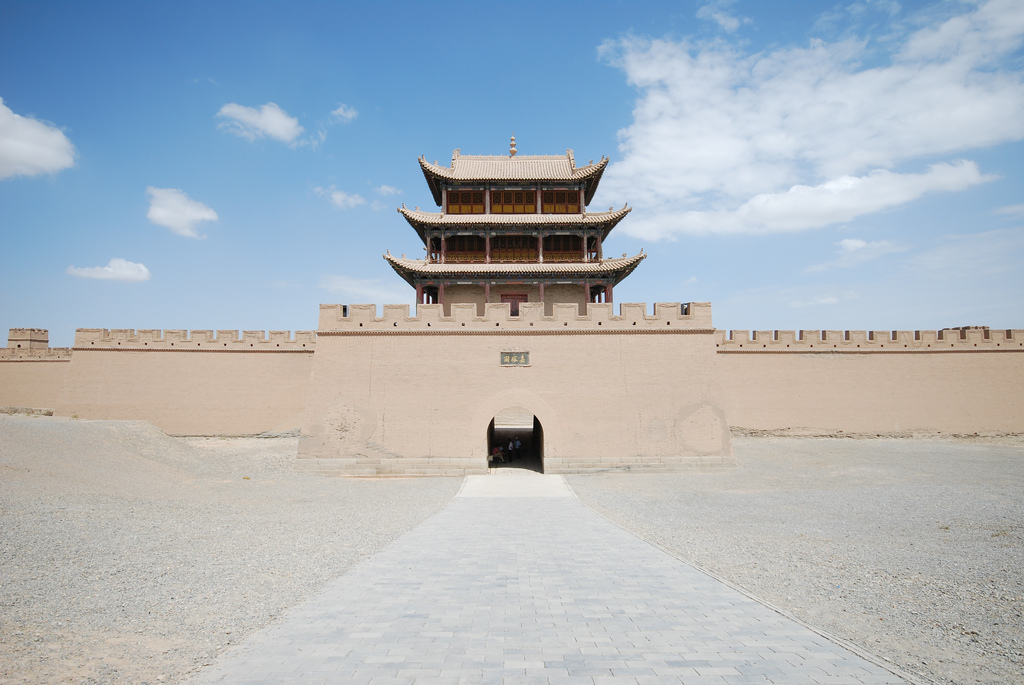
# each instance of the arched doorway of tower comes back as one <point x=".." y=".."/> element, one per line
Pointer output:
<point x="515" y="440"/>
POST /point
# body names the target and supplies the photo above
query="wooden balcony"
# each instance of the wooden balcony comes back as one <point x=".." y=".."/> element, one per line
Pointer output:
<point x="513" y="256"/>
<point x="465" y="257"/>
<point x="562" y="256"/>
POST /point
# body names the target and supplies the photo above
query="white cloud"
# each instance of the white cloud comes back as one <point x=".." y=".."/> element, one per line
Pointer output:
<point x="1010" y="210"/>
<point x="800" y="136"/>
<point x="173" y="209"/>
<point x="854" y="251"/>
<point x="116" y="270"/>
<point x="802" y="207"/>
<point x="716" y="11"/>
<point x="339" y="198"/>
<point x="984" y="254"/>
<point x="364" y="290"/>
<point x="29" y="147"/>
<point x="267" y="121"/>
<point x="344" y="114"/>
<point x="386" y="190"/>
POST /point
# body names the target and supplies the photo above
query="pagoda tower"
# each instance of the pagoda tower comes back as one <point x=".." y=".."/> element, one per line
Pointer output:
<point x="513" y="229"/>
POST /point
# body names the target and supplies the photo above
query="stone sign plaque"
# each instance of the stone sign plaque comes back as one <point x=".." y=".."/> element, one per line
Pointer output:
<point x="515" y="358"/>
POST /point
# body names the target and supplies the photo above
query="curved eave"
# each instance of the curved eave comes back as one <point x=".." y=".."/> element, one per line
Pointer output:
<point x="591" y="174"/>
<point x="616" y="269"/>
<point x="422" y="221"/>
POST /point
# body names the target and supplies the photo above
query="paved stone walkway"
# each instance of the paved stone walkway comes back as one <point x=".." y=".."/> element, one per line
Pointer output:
<point x="515" y="581"/>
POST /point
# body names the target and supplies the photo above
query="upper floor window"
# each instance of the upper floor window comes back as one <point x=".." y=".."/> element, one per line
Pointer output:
<point x="513" y="202"/>
<point x="465" y="202"/>
<point x="560" y="202"/>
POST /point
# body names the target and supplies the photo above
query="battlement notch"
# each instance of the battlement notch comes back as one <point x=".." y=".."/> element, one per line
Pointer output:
<point x="963" y="339"/>
<point x="193" y="341"/>
<point x="497" y="317"/>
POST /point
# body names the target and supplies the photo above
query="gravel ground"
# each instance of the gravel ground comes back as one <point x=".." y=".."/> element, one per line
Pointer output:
<point x="127" y="556"/>
<point x="912" y="549"/>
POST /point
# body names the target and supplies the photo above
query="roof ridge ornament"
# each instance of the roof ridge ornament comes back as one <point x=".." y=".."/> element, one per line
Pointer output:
<point x="572" y="158"/>
<point x="512" y="146"/>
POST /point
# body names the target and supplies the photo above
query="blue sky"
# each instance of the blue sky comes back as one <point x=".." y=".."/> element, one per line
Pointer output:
<point x="231" y="165"/>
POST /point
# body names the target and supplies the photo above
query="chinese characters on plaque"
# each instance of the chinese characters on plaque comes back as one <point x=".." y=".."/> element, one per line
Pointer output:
<point x="515" y="358"/>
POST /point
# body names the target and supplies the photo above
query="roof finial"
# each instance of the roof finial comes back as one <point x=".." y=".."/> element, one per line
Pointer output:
<point x="512" y="147"/>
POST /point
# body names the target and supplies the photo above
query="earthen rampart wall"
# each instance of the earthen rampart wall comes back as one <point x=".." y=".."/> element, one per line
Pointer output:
<point x="966" y="380"/>
<point x="415" y="394"/>
<point x="191" y="382"/>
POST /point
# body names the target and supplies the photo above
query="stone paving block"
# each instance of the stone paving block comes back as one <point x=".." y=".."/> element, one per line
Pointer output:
<point x="541" y="589"/>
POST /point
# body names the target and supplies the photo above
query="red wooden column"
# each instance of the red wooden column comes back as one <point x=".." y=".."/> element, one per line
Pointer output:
<point x="586" y="296"/>
<point x="444" y="247"/>
<point x="487" y="247"/>
<point x="419" y="294"/>
<point x="608" y="293"/>
<point x="540" y="247"/>
<point x="599" y="251"/>
<point x="487" y="294"/>
<point x="440" y="296"/>
<point x="584" y="255"/>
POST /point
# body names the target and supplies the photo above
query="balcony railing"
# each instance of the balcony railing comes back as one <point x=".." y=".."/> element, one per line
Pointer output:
<point x="507" y="256"/>
<point x="562" y="256"/>
<point x="465" y="257"/>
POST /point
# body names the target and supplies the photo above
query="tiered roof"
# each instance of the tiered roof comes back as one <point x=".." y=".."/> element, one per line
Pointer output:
<point x="421" y="220"/>
<point x="496" y="168"/>
<point x="617" y="268"/>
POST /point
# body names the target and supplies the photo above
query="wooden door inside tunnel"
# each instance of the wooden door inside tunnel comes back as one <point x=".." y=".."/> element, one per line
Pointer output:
<point x="515" y="439"/>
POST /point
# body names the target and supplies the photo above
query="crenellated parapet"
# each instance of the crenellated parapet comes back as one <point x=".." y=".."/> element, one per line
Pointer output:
<point x="32" y="344"/>
<point x="668" y="317"/>
<point x="194" y="341"/>
<point x="965" y="339"/>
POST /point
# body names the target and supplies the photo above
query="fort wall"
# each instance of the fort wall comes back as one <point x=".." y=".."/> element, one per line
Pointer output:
<point x="415" y="394"/>
<point x="191" y="383"/>
<point x="32" y="373"/>
<point x="966" y="380"/>
<point x="394" y="392"/>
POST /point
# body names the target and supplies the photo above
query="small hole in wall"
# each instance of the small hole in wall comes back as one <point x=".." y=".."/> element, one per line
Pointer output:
<point x="668" y="323"/>
<point x="428" y="325"/>
<point x="172" y="345"/>
<point x="278" y="344"/>
<point x="118" y="343"/>
<point x="225" y="344"/>
<point x="396" y="323"/>
<point x="463" y="324"/>
<point x="250" y="344"/>
<point x="360" y="325"/>
<point x="599" y="323"/>
<point x="497" y="324"/>
<point x="303" y="344"/>
<point x="566" y="323"/>
<point x="634" y="323"/>
<point x="19" y="346"/>
<point x="531" y="323"/>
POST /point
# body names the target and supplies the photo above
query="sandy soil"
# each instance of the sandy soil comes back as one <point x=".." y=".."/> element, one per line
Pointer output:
<point x="911" y="549"/>
<point x="127" y="556"/>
